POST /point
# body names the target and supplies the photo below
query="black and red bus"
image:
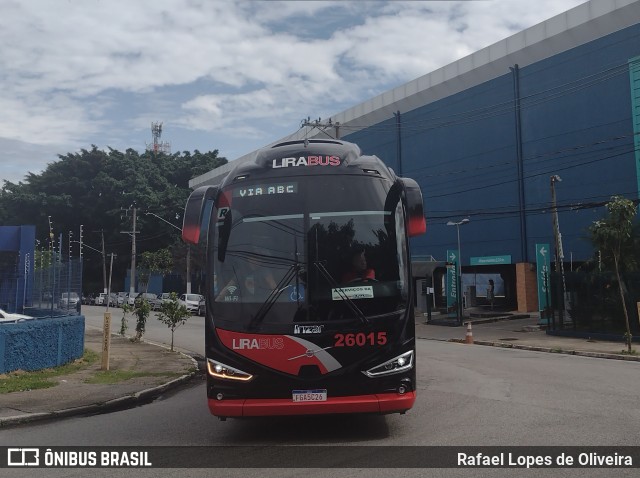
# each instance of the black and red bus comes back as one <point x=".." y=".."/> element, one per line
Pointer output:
<point x="289" y="331"/>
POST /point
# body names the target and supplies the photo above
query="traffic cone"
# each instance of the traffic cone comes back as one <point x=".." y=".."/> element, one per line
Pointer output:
<point x="469" y="337"/>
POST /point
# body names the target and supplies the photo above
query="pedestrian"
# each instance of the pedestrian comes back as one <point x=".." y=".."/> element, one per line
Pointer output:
<point x="491" y="293"/>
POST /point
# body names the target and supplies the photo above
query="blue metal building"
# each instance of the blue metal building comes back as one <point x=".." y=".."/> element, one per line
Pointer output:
<point x="484" y="135"/>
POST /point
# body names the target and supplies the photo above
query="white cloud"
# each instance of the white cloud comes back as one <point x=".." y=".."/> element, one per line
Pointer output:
<point x="226" y="75"/>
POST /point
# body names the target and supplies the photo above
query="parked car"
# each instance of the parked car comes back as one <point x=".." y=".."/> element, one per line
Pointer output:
<point x="7" y="317"/>
<point x="156" y="304"/>
<point x="131" y="298"/>
<point x="191" y="301"/>
<point x="122" y="298"/>
<point x="101" y="299"/>
<point x="69" y="300"/>
<point x="148" y="296"/>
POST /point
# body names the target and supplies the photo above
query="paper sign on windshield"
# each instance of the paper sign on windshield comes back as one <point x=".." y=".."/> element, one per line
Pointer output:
<point x="361" y="292"/>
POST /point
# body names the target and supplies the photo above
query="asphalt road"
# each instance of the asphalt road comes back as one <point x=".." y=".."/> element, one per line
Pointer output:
<point x="468" y="396"/>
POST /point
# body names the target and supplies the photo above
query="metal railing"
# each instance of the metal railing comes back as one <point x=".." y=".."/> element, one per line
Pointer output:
<point x="56" y="291"/>
<point x="592" y="303"/>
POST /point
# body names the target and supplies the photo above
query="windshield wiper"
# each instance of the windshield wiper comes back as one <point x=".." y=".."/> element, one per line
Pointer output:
<point x="275" y="293"/>
<point x="350" y="303"/>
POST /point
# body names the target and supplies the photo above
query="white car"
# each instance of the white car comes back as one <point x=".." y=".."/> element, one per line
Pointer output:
<point x="131" y="298"/>
<point x="101" y="299"/>
<point x="69" y="300"/>
<point x="161" y="299"/>
<point x="148" y="296"/>
<point x="191" y="301"/>
<point x="13" y="318"/>
<point x="122" y="298"/>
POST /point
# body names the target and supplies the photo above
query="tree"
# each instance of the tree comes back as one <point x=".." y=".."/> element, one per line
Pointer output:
<point x="158" y="262"/>
<point x="141" y="310"/>
<point x="173" y="314"/>
<point x="123" y="322"/>
<point x="613" y="235"/>
<point x="92" y="187"/>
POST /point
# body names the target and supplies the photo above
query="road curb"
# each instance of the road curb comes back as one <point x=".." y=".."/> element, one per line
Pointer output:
<point x="120" y="403"/>
<point x="536" y="348"/>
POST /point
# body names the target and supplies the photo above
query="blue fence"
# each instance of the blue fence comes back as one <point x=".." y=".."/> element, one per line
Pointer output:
<point x="41" y="343"/>
<point x="52" y="289"/>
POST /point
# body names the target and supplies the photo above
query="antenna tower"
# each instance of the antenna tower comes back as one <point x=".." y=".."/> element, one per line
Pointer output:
<point x="158" y="146"/>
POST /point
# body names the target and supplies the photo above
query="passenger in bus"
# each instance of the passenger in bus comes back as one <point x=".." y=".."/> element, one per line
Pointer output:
<point x="358" y="270"/>
<point x="251" y="279"/>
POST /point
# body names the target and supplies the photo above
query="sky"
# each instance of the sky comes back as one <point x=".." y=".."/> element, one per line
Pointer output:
<point x="231" y="75"/>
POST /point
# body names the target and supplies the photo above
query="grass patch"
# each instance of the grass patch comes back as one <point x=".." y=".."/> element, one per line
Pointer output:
<point x="626" y="352"/>
<point x="21" y="381"/>
<point x="115" y="376"/>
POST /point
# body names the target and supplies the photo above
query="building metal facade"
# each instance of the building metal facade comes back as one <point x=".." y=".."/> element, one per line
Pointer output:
<point x="484" y="135"/>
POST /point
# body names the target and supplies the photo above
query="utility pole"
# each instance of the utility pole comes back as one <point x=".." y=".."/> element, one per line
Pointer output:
<point x="69" y="271"/>
<point x="51" y="236"/>
<point x="399" y="141"/>
<point x="81" y="267"/>
<point x="133" y="232"/>
<point x="132" y="283"/>
<point x="104" y="263"/>
<point x="51" y="274"/>
<point x="558" y="240"/>
<point x="80" y="243"/>
<point x="106" y="325"/>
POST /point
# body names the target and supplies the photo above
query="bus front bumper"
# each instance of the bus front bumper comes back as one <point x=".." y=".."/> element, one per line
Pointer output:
<point x="380" y="403"/>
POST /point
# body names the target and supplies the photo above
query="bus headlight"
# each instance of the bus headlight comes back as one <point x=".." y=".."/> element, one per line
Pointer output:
<point x="398" y="364"/>
<point x="226" y="372"/>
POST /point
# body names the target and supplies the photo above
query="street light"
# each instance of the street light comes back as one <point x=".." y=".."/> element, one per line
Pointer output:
<point x="459" y="266"/>
<point x="163" y="220"/>
<point x="188" y="249"/>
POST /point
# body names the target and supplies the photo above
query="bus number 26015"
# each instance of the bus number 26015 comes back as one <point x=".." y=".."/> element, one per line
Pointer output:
<point x="360" y="339"/>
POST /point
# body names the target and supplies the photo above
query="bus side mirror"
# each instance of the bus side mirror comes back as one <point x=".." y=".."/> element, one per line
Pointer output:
<point x="194" y="212"/>
<point x="417" y="223"/>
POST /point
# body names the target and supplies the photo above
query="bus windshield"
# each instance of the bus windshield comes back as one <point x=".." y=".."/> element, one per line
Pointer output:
<point x="307" y="250"/>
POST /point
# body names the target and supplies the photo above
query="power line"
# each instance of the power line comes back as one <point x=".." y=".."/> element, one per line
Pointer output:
<point x="555" y="168"/>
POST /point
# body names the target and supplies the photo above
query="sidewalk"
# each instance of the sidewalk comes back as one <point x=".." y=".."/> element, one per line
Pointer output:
<point x="521" y="332"/>
<point x="72" y="396"/>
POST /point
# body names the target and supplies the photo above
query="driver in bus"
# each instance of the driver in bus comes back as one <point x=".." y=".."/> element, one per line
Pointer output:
<point x="358" y="270"/>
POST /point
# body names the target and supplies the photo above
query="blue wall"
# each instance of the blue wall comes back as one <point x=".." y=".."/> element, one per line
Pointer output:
<point x="575" y="116"/>
<point x="41" y="343"/>
<point x="154" y="287"/>
<point x="16" y="285"/>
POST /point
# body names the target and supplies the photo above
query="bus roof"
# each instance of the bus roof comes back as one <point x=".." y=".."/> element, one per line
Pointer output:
<point x="314" y="156"/>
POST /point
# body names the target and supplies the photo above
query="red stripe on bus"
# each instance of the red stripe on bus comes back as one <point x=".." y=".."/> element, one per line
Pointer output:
<point x="255" y="407"/>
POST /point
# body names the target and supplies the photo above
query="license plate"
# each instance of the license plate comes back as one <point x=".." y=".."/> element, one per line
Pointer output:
<point x="309" y="395"/>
